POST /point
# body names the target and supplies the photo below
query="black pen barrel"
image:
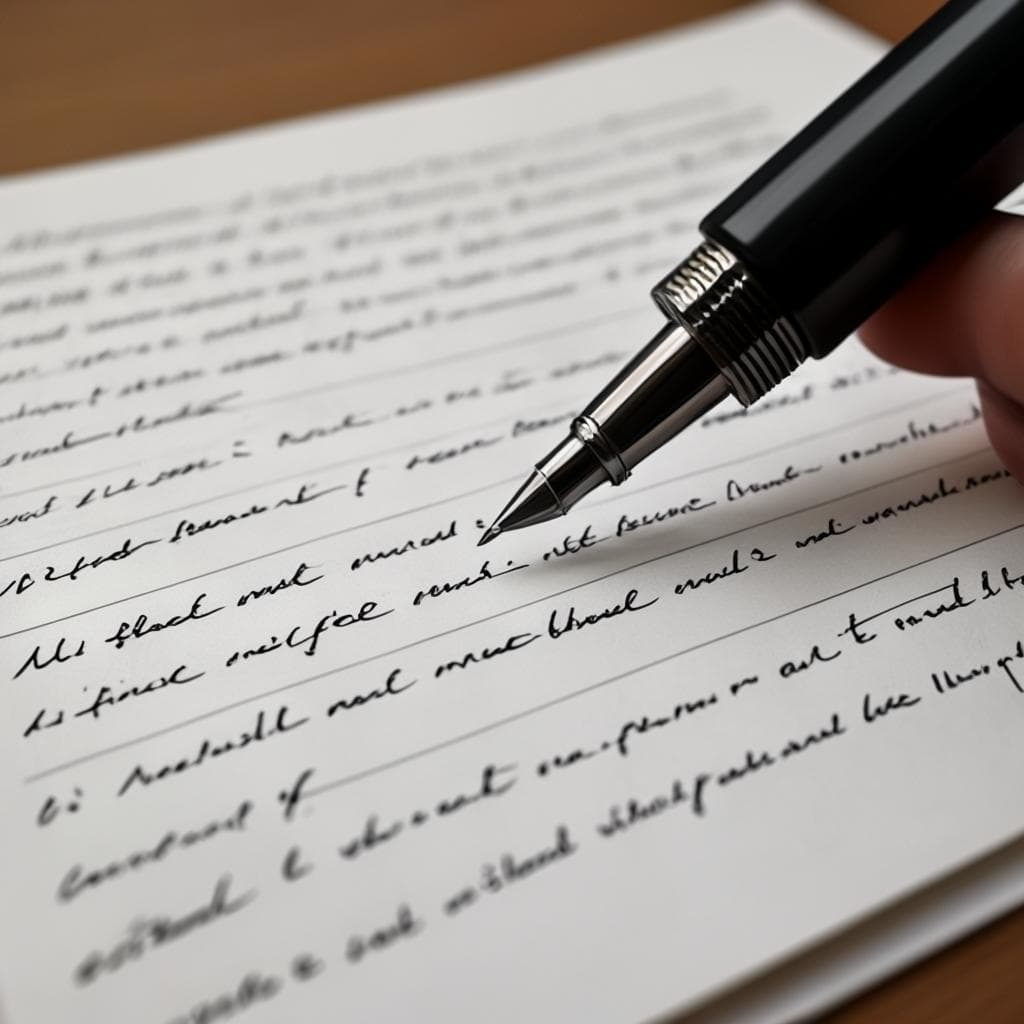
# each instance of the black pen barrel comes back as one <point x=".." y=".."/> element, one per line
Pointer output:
<point x="894" y="169"/>
<point x="811" y="244"/>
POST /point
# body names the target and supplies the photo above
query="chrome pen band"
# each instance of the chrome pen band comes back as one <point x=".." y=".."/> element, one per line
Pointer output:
<point x="586" y="430"/>
<point x="713" y="296"/>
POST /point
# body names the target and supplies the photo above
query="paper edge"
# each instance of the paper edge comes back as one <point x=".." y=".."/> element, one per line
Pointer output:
<point x="835" y="970"/>
<point x="828" y="20"/>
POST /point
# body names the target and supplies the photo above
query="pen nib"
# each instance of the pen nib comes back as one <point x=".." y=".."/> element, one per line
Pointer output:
<point x="534" y="502"/>
<point x="490" y="533"/>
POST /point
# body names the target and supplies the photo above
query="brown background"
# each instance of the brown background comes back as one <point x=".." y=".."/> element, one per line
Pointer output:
<point x="88" y="78"/>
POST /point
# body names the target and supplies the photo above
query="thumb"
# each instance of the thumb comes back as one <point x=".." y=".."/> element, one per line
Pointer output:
<point x="964" y="315"/>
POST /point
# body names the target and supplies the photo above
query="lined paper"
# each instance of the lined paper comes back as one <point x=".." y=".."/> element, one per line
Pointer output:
<point x="283" y="743"/>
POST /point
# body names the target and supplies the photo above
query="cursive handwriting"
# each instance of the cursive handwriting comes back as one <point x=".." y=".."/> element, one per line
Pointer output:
<point x="570" y="621"/>
<point x="187" y="528"/>
<point x="732" y="568"/>
<point x="635" y="811"/>
<point x="142" y="626"/>
<point x="37" y="661"/>
<point x="450" y="587"/>
<point x="309" y="642"/>
<point x="109" y="696"/>
<point x="391" y="688"/>
<point x="735" y="490"/>
<point x="252" y="990"/>
<point x="126" y="550"/>
<point x="146" y="934"/>
<point x="264" y="728"/>
<point x="413" y="544"/>
<point x="284" y="583"/>
<point x="78" y="879"/>
<point x="516" y="642"/>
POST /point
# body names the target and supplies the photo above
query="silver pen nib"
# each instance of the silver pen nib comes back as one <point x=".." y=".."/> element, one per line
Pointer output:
<point x="534" y="502"/>
<point x="668" y="384"/>
<point x="567" y="473"/>
<point x="490" y="533"/>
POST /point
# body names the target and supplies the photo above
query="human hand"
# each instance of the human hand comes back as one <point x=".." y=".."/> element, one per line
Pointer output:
<point x="964" y="315"/>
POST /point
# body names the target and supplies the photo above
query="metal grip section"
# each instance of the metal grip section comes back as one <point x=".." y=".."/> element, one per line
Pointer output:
<point x="713" y="296"/>
<point x="587" y="431"/>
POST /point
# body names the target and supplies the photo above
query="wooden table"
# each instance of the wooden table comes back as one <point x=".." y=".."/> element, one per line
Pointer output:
<point x="88" y="78"/>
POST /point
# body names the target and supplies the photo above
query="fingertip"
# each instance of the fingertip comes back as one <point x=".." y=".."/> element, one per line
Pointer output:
<point x="900" y="334"/>
<point x="964" y="313"/>
<point x="1004" y="421"/>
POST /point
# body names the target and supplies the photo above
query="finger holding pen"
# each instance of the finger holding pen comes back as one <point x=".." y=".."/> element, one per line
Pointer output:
<point x="963" y="315"/>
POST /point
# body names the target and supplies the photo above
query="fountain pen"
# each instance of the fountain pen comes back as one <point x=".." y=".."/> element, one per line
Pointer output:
<point x="811" y="244"/>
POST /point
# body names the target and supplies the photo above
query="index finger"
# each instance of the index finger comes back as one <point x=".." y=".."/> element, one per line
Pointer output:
<point x="964" y="315"/>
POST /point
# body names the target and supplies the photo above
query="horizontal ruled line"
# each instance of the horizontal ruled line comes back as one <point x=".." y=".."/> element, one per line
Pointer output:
<point x="175" y="727"/>
<point x="903" y="604"/>
<point x="740" y="460"/>
<point x="582" y="691"/>
<point x="421" y="442"/>
<point x="364" y="457"/>
<point x="522" y="340"/>
<point x="260" y="557"/>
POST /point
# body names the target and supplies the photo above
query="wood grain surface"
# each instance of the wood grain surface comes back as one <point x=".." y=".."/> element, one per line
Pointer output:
<point x="89" y="78"/>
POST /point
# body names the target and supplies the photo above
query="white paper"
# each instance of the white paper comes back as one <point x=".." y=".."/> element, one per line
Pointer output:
<point x="884" y="943"/>
<point x="282" y="743"/>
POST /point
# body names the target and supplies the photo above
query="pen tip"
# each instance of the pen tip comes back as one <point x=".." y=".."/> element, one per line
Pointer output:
<point x="490" y="533"/>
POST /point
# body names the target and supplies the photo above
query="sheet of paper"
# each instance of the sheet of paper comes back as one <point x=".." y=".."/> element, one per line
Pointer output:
<point x="282" y="743"/>
<point x="913" y="928"/>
